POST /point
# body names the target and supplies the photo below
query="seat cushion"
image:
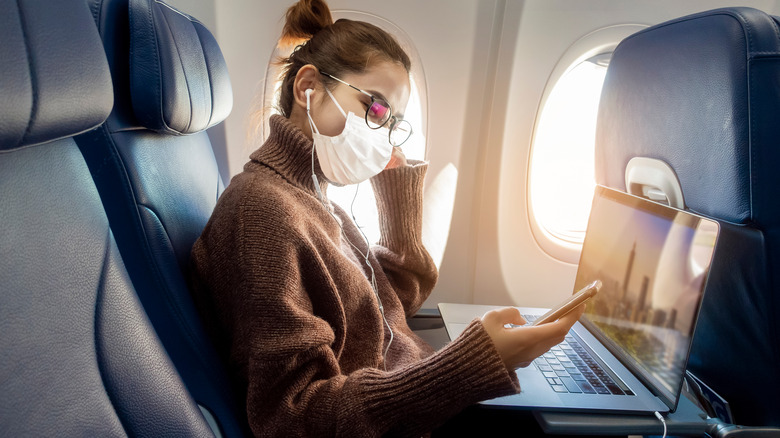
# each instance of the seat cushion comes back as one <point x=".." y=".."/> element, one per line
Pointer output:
<point x="79" y="355"/>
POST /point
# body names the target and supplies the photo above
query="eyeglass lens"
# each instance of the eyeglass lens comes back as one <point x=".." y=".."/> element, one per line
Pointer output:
<point x="378" y="113"/>
<point x="400" y="132"/>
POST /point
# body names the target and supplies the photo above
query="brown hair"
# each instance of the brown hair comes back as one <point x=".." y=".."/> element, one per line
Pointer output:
<point x="345" y="46"/>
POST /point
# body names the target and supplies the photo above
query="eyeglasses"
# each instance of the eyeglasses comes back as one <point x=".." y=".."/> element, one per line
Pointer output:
<point x="379" y="113"/>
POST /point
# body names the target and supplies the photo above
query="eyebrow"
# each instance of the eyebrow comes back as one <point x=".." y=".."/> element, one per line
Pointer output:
<point x="378" y="94"/>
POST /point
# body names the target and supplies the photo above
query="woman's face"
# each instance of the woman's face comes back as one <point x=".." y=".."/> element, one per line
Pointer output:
<point x="385" y="80"/>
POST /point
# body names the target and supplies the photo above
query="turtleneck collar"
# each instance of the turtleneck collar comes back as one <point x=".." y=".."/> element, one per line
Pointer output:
<point x="289" y="153"/>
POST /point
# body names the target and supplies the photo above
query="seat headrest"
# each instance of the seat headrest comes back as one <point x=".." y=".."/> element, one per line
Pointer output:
<point x="178" y="77"/>
<point x="54" y="78"/>
<point x="700" y="94"/>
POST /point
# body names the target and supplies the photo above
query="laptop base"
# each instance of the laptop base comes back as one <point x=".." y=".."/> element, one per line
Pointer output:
<point x="687" y="420"/>
<point x="536" y="393"/>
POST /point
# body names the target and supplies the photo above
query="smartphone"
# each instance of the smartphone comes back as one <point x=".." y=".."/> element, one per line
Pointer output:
<point x="570" y="304"/>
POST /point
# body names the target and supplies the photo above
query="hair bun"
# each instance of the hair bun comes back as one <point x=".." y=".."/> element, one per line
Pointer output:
<point x="303" y="20"/>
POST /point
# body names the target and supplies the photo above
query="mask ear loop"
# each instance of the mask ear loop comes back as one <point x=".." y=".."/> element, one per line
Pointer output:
<point x="374" y="286"/>
<point x="341" y="110"/>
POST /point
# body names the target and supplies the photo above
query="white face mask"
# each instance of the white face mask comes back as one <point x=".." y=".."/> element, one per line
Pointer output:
<point x="353" y="156"/>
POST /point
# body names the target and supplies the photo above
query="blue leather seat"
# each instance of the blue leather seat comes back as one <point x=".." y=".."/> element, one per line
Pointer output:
<point x="155" y="170"/>
<point x="78" y="356"/>
<point x="701" y="94"/>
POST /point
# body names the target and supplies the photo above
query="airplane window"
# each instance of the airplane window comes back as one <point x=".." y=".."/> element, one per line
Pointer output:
<point x="416" y="113"/>
<point x="562" y="176"/>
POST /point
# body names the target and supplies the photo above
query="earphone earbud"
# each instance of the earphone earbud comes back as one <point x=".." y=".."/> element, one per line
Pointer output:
<point x="308" y="93"/>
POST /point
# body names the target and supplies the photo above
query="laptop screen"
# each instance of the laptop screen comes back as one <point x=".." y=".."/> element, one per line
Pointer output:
<point x="653" y="261"/>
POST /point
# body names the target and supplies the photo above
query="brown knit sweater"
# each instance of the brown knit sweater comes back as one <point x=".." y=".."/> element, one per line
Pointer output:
<point x="290" y="305"/>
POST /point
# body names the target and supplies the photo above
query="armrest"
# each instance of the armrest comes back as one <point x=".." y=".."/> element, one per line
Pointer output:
<point x="427" y="313"/>
<point x="426" y="319"/>
<point x="428" y="324"/>
<point x="721" y="430"/>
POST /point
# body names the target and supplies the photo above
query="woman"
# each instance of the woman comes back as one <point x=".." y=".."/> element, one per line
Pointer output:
<point x="310" y="319"/>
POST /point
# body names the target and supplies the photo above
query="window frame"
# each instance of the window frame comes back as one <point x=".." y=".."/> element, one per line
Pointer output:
<point x="597" y="43"/>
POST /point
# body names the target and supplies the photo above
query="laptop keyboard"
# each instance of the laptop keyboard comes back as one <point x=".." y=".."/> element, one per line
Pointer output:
<point x="569" y="367"/>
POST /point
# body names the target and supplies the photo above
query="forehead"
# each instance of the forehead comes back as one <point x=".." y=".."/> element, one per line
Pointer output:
<point x="387" y="79"/>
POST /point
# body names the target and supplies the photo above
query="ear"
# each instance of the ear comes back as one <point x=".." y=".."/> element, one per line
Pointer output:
<point x="308" y="77"/>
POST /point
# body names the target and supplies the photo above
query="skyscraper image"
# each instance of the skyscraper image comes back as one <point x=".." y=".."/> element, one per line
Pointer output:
<point x="629" y="268"/>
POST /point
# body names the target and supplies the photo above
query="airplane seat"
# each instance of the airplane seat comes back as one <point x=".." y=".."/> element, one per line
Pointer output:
<point x="78" y="354"/>
<point x="154" y="167"/>
<point x="689" y="115"/>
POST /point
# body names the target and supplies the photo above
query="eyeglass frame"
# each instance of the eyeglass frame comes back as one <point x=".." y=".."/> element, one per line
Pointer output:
<point x="374" y="99"/>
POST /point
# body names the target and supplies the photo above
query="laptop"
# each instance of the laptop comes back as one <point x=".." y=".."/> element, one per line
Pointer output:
<point x="629" y="351"/>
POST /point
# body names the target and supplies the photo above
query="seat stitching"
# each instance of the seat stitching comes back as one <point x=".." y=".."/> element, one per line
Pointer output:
<point x="157" y="75"/>
<point x="31" y="69"/>
<point x="99" y="297"/>
<point x="212" y="83"/>
<point x="184" y="71"/>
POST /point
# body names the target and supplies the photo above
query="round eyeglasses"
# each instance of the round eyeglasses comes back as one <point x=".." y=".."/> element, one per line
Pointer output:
<point x="379" y="113"/>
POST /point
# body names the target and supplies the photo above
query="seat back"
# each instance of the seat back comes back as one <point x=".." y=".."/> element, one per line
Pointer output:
<point x="697" y="99"/>
<point x="78" y="355"/>
<point x="155" y="170"/>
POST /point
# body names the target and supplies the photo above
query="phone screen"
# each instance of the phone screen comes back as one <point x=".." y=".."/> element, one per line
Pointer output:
<point x="570" y="304"/>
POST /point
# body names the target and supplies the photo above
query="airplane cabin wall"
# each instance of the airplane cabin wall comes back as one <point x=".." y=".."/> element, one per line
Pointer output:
<point x="513" y="269"/>
<point x="487" y="64"/>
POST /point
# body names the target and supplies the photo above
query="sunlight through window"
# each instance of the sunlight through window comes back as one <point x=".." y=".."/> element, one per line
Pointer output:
<point x="562" y="176"/>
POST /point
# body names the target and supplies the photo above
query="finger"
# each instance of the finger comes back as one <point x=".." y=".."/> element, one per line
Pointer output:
<point x="570" y="318"/>
<point x="517" y="318"/>
<point x="400" y="155"/>
<point x="397" y="159"/>
<point x="393" y="163"/>
<point x="508" y="318"/>
<point x="506" y="315"/>
<point x="554" y="330"/>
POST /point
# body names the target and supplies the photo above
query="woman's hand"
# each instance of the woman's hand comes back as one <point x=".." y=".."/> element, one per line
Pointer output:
<point x="398" y="159"/>
<point x="519" y="346"/>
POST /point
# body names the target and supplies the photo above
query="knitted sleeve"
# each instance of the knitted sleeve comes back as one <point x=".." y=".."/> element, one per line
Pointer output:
<point x="290" y="355"/>
<point x="304" y="393"/>
<point x="404" y="259"/>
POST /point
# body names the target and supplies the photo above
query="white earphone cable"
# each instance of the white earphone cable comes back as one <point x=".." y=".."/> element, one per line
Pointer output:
<point x="370" y="267"/>
<point x="321" y="198"/>
<point x="661" y="417"/>
<point x="373" y="276"/>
